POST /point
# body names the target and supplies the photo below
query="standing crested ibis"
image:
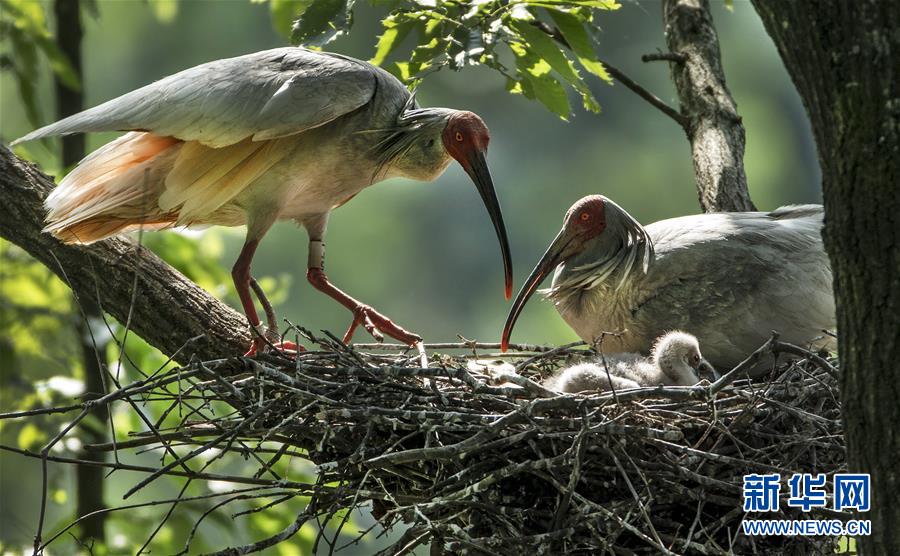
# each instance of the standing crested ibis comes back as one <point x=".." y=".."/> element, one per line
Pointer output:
<point x="675" y="361"/>
<point x="728" y="278"/>
<point x="287" y="133"/>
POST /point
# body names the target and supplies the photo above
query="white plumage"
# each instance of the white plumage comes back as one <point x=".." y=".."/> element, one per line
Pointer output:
<point x="729" y="278"/>
<point x="675" y="361"/>
<point x="286" y="133"/>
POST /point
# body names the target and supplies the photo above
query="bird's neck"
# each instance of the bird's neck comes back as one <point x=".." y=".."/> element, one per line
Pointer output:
<point x="675" y="374"/>
<point x="608" y="286"/>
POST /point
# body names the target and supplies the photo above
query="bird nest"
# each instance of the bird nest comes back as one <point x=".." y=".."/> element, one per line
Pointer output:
<point x="468" y="453"/>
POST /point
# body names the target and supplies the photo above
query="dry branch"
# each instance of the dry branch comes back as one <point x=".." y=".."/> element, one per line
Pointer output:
<point x="713" y="125"/>
<point x="167" y="310"/>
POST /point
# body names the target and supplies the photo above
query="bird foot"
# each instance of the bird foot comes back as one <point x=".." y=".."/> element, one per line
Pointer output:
<point x="269" y="339"/>
<point x="375" y="324"/>
<point x="270" y="342"/>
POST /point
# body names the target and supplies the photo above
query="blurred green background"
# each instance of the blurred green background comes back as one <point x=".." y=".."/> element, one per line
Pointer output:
<point x="424" y="254"/>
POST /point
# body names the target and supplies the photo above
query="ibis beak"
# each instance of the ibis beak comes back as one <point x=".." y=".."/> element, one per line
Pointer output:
<point x="557" y="253"/>
<point x="704" y="369"/>
<point x="476" y="167"/>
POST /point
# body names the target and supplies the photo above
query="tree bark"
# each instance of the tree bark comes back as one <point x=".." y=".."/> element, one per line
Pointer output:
<point x="842" y="56"/>
<point x="713" y="125"/>
<point x="128" y="281"/>
<point x="89" y="480"/>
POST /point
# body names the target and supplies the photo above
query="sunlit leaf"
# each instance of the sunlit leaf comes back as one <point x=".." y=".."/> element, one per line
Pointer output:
<point x="284" y="12"/>
<point x="572" y="29"/>
<point x="60" y="496"/>
<point x="544" y="47"/>
<point x="538" y="81"/>
<point x="389" y="40"/>
<point x="30" y="437"/>
<point x="322" y="22"/>
<point x="164" y="11"/>
<point x="599" y="4"/>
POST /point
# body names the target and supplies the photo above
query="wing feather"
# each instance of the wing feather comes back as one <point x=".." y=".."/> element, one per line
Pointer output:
<point x="204" y="178"/>
<point x="264" y="95"/>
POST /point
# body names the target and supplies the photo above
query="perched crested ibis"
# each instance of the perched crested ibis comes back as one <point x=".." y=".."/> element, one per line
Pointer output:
<point x="675" y="361"/>
<point x="287" y="133"/>
<point x="728" y="278"/>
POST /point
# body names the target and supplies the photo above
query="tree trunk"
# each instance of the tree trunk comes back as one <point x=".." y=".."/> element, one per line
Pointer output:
<point x="842" y="57"/>
<point x="713" y="125"/>
<point x="89" y="480"/>
<point x="129" y="282"/>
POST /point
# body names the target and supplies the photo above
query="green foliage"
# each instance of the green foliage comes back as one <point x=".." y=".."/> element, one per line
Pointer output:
<point x="164" y="11"/>
<point x="23" y="27"/>
<point x="545" y="38"/>
<point x="322" y="21"/>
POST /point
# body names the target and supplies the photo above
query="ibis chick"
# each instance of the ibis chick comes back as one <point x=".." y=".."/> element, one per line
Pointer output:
<point x="675" y="361"/>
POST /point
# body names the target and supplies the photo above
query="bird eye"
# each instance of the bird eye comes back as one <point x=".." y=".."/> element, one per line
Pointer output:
<point x="585" y="216"/>
<point x="459" y="136"/>
<point x="429" y="143"/>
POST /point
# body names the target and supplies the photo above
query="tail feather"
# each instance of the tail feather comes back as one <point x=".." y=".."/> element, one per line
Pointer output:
<point x="113" y="189"/>
<point x="103" y="227"/>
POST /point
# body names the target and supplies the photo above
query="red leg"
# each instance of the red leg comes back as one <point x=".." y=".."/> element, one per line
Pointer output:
<point x="373" y="321"/>
<point x="240" y="273"/>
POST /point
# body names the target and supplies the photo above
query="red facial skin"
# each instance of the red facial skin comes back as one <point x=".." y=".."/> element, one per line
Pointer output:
<point x="464" y="135"/>
<point x="587" y="218"/>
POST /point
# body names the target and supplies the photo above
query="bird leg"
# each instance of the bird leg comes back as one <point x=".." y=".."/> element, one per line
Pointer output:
<point x="243" y="281"/>
<point x="373" y="321"/>
<point x="271" y="336"/>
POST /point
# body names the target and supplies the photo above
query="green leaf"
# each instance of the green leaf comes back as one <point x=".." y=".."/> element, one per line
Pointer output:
<point x="30" y="436"/>
<point x="284" y="12"/>
<point x="538" y="82"/>
<point x="543" y="46"/>
<point x="598" y="4"/>
<point x="425" y="53"/>
<point x="29" y="29"/>
<point x="322" y="22"/>
<point x="164" y="11"/>
<point x="393" y="35"/>
<point x="59" y="63"/>
<point x="572" y="29"/>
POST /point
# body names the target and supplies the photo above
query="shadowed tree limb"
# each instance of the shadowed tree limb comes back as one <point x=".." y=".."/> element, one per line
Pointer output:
<point x="713" y="126"/>
<point x="168" y="309"/>
<point x="842" y="57"/>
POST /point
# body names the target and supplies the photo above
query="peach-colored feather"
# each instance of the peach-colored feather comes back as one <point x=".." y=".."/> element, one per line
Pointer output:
<point x="142" y="180"/>
<point x="111" y="189"/>
<point x="205" y="178"/>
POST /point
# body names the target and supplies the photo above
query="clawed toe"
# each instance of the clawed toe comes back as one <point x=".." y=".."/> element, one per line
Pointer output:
<point x="379" y="325"/>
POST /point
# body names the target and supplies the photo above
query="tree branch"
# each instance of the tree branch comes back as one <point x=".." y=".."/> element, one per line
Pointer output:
<point x="168" y="309"/>
<point x="654" y="100"/>
<point x="620" y="76"/>
<point x="713" y="127"/>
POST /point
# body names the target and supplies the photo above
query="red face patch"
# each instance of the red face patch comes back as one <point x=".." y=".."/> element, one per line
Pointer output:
<point x="587" y="217"/>
<point x="464" y="134"/>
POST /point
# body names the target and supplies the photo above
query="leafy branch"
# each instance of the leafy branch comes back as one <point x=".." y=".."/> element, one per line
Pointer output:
<point x="23" y="26"/>
<point x="509" y="37"/>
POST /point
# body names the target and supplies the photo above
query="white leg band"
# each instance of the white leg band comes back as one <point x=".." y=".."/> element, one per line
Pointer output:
<point x="316" y="256"/>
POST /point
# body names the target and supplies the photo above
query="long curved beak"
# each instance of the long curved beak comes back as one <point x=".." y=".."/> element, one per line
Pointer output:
<point x="476" y="167"/>
<point x="553" y="256"/>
